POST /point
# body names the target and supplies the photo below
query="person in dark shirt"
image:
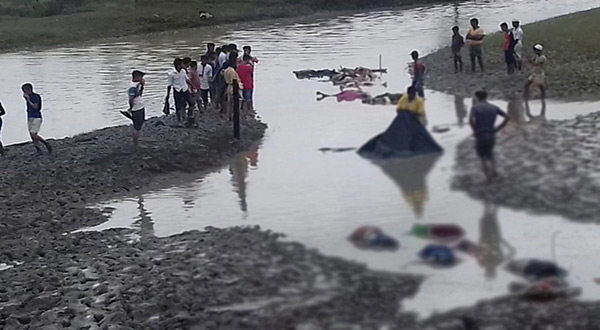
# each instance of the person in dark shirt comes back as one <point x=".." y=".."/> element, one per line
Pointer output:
<point x="457" y="44"/>
<point x="418" y="74"/>
<point x="483" y="120"/>
<point x="2" y="113"/>
<point x="509" y="48"/>
<point x="34" y="117"/>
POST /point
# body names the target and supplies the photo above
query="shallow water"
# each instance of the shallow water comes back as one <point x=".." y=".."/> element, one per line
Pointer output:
<point x="287" y="185"/>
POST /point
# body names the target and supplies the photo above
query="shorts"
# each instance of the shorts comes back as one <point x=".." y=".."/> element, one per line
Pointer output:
<point x="475" y="51"/>
<point x="518" y="51"/>
<point x="34" y="125"/>
<point x="484" y="144"/>
<point x="248" y="94"/>
<point x="138" y="117"/>
<point x="509" y="57"/>
<point x="537" y="79"/>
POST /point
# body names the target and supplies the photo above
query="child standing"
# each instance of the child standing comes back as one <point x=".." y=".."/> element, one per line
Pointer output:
<point x="246" y="73"/>
<point x="457" y="44"/>
<point x="206" y="75"/>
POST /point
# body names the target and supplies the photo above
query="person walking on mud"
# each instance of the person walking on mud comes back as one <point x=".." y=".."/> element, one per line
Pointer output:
<point x="179" y="81"/>
<point x="136" y="103"/>
<point x="2" y="113"/>
<point x="537" y="78"/>
<point x="418" y="72"/>
<point x="483" y="120"/>
<point x="33" y="102"/>
<point x="475" y="40"/>
<point x="518" y="34"/>
<point x="457" y="44"/>
<point x="509" y="48"/>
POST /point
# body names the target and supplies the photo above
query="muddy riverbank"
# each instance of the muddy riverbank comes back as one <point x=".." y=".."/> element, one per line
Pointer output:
<point x="546" y="166"/>
<point x="571" y="52"/>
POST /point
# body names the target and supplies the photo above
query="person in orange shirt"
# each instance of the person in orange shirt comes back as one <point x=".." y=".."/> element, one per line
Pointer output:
<point x="475" y="40"/>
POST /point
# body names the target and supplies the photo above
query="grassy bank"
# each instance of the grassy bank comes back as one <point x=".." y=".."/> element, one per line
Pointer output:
<point x="572" y="44"/>
<point x="35" y="23"/>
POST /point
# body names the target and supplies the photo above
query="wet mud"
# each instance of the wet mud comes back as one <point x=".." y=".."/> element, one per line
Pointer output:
<point x="545" y="167"/>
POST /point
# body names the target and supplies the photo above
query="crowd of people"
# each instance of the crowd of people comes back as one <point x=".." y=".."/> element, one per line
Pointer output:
<point x="483" y="115"/>
<point x="198" y="87"/>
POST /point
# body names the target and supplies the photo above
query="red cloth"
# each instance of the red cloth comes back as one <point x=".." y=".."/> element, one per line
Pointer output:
<point x="245" y="71"/>
<point x="194" y="81"/>
<point x="507" y="40"/>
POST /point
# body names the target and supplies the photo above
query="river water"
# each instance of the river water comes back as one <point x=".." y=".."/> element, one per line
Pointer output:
<point x="286" y="184"/>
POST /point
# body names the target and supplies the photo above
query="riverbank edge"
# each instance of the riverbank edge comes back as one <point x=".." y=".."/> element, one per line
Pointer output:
<point x="107" y="26"/>
<point x="569" y="78"/>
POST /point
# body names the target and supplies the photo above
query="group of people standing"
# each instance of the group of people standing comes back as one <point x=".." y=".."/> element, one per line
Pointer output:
<point x="197" y="87"/>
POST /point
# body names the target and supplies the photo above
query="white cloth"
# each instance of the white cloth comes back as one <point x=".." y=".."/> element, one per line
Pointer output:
<point x="34" y="125"/>
<point x="205" y="77"/>
<point x="178" y="80"/>
<point x="223" y="57"/>
<point x="135" y="91"/>
<point x="518" y="34"/>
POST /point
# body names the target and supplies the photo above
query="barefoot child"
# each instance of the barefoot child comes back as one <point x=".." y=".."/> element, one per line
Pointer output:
<point x="457" y="44"/>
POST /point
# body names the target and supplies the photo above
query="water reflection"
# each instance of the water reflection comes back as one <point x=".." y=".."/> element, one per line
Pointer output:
<point x="144" y="221"/>
<point x="410" y="175"/>
<point x="461" y="110"/>
<point x="516" y="109"/>
<point x="536" y="118"/>
<point x="239" y="173"/>
<point x="491" y="254"/>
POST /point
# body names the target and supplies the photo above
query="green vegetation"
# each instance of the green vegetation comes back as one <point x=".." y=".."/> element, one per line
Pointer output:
<point x="572" y="45"/>
<point x="51" y="22"/>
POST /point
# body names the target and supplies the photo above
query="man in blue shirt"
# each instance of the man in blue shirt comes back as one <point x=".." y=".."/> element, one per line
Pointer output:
<point x="34" y="117"/>
<point x="483" y="120"/>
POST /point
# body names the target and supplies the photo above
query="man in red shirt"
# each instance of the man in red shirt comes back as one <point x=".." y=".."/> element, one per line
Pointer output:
<point x="509" y="48"/>
<point x="246" y="73"/>
<point x="418" y="73"/>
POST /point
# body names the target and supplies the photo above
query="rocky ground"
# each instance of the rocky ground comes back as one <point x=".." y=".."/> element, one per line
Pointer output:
<point x="546" y="166"/>
<point x="571" y="71"/>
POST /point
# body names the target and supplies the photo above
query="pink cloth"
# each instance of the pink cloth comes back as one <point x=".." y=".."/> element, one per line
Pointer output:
<point x="194" y="81"/>
<point x="350" y="96"/>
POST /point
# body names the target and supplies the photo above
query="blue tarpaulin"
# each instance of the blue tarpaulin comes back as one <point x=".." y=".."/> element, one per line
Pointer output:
<point x="405" y="137"/>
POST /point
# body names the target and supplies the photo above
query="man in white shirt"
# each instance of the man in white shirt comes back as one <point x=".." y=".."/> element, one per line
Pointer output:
<point x="518" y="35"/>
<point x="206" y="74"/>
<point x="179" y="81"/>
<point x="136" y="103"/>
<point x="224" y="56"/>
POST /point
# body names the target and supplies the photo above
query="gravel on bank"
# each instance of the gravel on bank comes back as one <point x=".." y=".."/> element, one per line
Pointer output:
<point x="545" y="166"/>
<point x="571" y="46"/>
<point x="43" y="196"/>
<point x="239" y="278"/>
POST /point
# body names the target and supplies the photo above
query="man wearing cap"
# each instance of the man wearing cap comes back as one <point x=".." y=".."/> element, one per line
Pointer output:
<point x="518" y="35"/>
<point x="538" y="75"/>
<point x="136" y="103"/>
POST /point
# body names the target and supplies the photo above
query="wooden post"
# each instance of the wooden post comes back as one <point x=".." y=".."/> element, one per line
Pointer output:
<point x="236" y="109"/>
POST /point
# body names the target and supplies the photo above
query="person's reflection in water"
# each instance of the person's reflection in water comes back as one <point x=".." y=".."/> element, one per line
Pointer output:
<point x="410" y="175"/>
<point x="539" y="118"/>
<point x="516" y="109"/>
<point x="490" y="254"/>
<point x="239" y="172"/>
<point x="144" y="221"/>
<point x="461" y="110"/>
